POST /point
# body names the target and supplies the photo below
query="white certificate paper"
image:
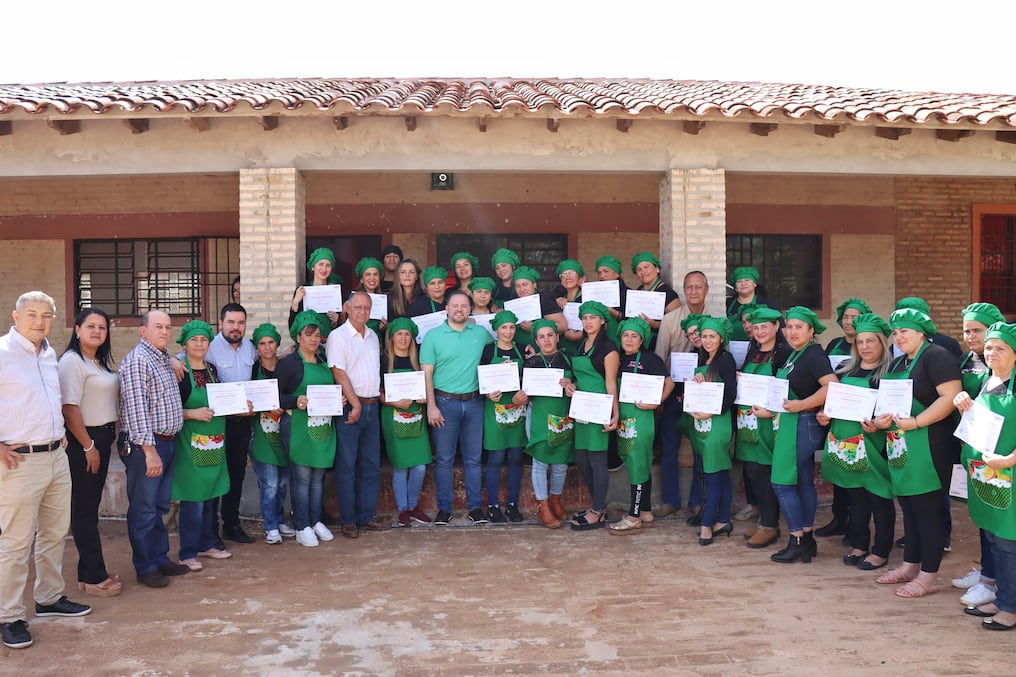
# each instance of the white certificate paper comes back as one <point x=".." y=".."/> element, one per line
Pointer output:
<point x="958" y="482"/>
<point x="703" y="398"/>
<point x="502" y="377"/>
<point x="980" y="427"/>
<point x="762" y="391"/>
<point x="263" y="394"/>
<point x="648" y="303"/>
<point x="322" y="298"/>
<point x="405" y="385"/>
<point x="227" y="399"/>
<point x="895" y="397"/>
<point x="739" y="349"/>
<point x="483" y="321"/>
<point x="324" y="400"/>
<point x="644" y="388"/>
<point x="526" y="308"/>
<point x="591" y="407"/>
<point x="608" y="293"/>
<point x="682" y="366"/>
<point x="428" y="321"/>
<point x="571" y="314"/>
<point x="378" y="306"/>
<point x="542" y="382"/>
<point x="836" y="360"/>
<point x="850" y="403"/>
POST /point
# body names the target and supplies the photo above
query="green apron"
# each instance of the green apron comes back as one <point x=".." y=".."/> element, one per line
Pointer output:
<point x="755" y="435"/>
<point x="312" y="438"/>
<point x="636" y="430"/>
<point x="734" y="315"/>
<point x="267" y="445"/>
<point x="853" y="458"/>
<point x="589" y="436"/>
<point x="199" y="471"/>
<point x="504" y="423"/>
<point x="550" y="431"/>
<point x="840" y="347"/>
<point x="910" y="465"/>
<point x="406" y="433"/>
<point x="713" y="438"/>
<point x="973" y="374"/>
<point x="989" y="490"/>
<point x="785" y="430"/>
<point x="568" y="346"/>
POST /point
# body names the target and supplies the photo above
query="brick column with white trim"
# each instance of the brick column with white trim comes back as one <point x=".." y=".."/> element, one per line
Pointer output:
<point x="693" y="230"/>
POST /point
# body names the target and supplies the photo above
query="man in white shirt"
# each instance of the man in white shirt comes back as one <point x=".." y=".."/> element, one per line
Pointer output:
<point x="354" y="354"/>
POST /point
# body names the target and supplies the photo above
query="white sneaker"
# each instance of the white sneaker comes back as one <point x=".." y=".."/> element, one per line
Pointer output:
<point x="306" y="538"/>
<point x="968" y="581"/>
<point x="978" y="594"/>
<point x="272" y="536"/>
<point x="322" y="532"/>
<point x="286" y="530"/>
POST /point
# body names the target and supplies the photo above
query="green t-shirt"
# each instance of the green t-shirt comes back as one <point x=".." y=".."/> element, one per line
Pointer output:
<point x="455" y="356"/>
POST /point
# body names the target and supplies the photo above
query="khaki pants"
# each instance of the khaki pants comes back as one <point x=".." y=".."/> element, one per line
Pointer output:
<point x="35" y="507"/>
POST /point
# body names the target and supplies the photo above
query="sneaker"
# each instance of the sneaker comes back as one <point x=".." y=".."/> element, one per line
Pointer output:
<point x="513" y="514"/>
<point x="746" y="513"/>
<point x="16" y="635"/>
<point x="478" y="516"/>
<point x="273" y="536"/>
<point x="948" y="545"/>
<point x="495" y="515"/>
<point x="192" y="563"/>
<point x="419" y="516"/>
<point x="307" y="538"/>
<point x="322" y="532"/>
<point x="443" y="517"/>
<point x="65" y="607"/>
<point x="972" y="578"/>
<point x="978" y="594"/>
<point x="405" y="518"/>
<point x="286" y="530"/>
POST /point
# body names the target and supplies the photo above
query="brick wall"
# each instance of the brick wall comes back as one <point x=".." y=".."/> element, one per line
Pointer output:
<point x="862" y="267"/>
<point x="623" y="245"/>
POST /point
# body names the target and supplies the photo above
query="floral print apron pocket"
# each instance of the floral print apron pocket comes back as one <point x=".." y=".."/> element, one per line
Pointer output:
<point x="208" y="450"/>
<point x="560" y="430"/>
<point x="408" y="424"/>
<point x="992" y="485"/>
<point x="318" y="427"/>
<point x="627" y="433"/>
<point x="508" y="415"/>
<point x="270" y="427"/>
<point x="747" y="425"/>
<point x="703" y="427"/>
<point x="848" y="454"/>
<point x="896" y="446"/>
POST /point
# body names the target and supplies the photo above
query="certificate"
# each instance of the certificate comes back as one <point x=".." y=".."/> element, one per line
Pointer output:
<point x="502" y="377"/>
<point x="849" y="403"/>
<point x="542" y="382"/>
<point x="608" y="293"/>
<point x="958" y="482"/>
<point x="644" y="388"/>
<point x="895" y="397"/>
<point x="571" y="313"/>
<point x="526" y="308"/>
<point x="591" y="407"/>
<point x="703" y="398"/>
<point x="739" y="349"/>
<point x="836" y="360"/>
<point x="324" y="400"/>
<point x="378" y="306"/>
<point x="779" y="390"/>
<point x="762" y="391"/>
<point x="405" y="385"/>
<point x="322" y="298"/>
<point x="682" y="366"/>
<point x="485" y="321"/>
<point x="648" y="303"/>
<point x="227" y="399"/>
<point x="263" y="394"/>
<point x="428" y="321"/>
<point x="979" y="427"/>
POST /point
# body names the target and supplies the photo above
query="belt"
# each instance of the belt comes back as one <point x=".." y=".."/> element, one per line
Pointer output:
<point x="164" y="438"/>
<point x="463" y="396"/>
<point x="367" y="400"/>
<point x="37" y="448"/>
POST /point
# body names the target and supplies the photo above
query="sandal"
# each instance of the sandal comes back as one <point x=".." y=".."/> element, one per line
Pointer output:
<point x="580" y="522"/>
<point x="914" y="589"/>
<point x="648" y="523"/>
<point x="893" y="576"/>
<point x="111" y="587"/>
<point x="625" y="527"/>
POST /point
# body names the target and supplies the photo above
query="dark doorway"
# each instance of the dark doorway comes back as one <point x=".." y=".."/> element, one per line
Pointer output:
<point x="348" y="250"/>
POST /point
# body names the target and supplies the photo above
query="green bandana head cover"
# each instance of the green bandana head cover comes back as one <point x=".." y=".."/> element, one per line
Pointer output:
<point x="540" y="324"/>
<point x="195" y="328"/>
<point x="911" y="318"/>
<point x="527" y="273"/>
<point x="482" y="283"/>
<point x="693" y="320"/>
<point x="637" y="325"/>
<point x="855" y="303"/>
<point x="985" y="313"/>
<point x="434" y="273"/>
<point x="870" y="322"/>
<point x="1003" y="332"/>
<point x="570" y="264"/>
<point x="764" y="313"/>
<point x="504" y="317"/>
<point x="266" y="329"/>
<point x="747" y="309"/>
<point x="642" y="257"/>
<point x="720" y="325"/>
<point x="305" y="318"/>
<point x="321" y="253"/>
<point x="915" y="302"/>
<point x="806" y="315"/>
<point x="400" y="323"/>
<point x="745" y="273"/>
<point x="609" y="261"/>
<point x="594" y="308"/>
<point x="366" y="264"/>
<point x="473" y="261"/>
<point x="505" y="256"/>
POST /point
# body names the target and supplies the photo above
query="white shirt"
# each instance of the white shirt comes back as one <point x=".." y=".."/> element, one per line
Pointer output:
<point x="359" y="355"/>
<point x="30" y="407"/>
<point x="233" y="363"/>
<point x="95" y="391"/>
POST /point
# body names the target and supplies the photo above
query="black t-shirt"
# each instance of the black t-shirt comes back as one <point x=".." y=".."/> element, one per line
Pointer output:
<point x="861" y="372"/>
<point x="777" y="356"/>
<point x="513" y="353"/>
<point x="602" y="347"/>
<point x="202" y="377"/>
<point x="648" y="362"/>
<point x="557" y="361"/>
<point x="727" y="375"/>
<point x="935" y="366"/>
<point x="950" y="344"/>
<point x="503" y="293"/>
<point x="810" y="366"/>
<point x="423" y="305"/>
<point x="670" y="294"/>
<point x="386" y="286"/>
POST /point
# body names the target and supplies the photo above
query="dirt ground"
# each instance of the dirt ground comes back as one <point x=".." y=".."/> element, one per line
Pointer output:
<point x="517" y="599"/>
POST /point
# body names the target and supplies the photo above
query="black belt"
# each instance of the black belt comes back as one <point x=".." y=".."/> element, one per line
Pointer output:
<point x="164" y="438"/>
<point x="462" y="397"/>
<point x="367" y="400"/>
<point x="37" y="448"/>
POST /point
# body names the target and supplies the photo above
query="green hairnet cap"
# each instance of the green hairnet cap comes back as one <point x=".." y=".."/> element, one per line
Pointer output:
<point x="482" y="283"/>
<point x="1003" y="332"/>
<point x="609" y="261"/>
<point x="915" y="302"/>
<point x="594" y="308"/>
<point x="747" y="309"/>
<point x="434" y="273"/>
<point x="504" y="317"/>
<point x="639" y="326"/>
<point x="764" y="313"/>
<point x="505" y="256"/>
<point x="540" y="324"/>
<point x="911" y="318"/>
<point x="321" y="253"/>
<point x="642" y="257"/>
<point x="366" y="264"/>
<point x="473" y="261"/>
<point x="806" y="315"/>
<point x="266" y="329"/>
<point x="855" y="303"/>
<point x="195" y="328"/>
<point x="693" y="320"/>
<point x="720" y="325"/>
<point x="400" y="323"/>
<point x="570" y="264"/>
<point x="527" y="273"/>
<point x="871" y="323"/>
<point x="985" y="313"/>
<point x="306" y="318"/>
<point x="746" y="273"/>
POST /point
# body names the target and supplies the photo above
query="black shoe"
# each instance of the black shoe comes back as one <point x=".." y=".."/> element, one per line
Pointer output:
<point x="899" y="542"/>
<point x="513" y="514"/>
<point x="154" y="579"/>
<point x="865" y="565"/>
<point x="854" y="560"/>
<point x="695" y="520"/>
<point x="173" y="569"/>
<point x="478" y="516"/>
<point x="810" y="543"/>
<point x="728" y="529"/>
<point x="495" y="515"/>
<point x="796" y="549"/>
<point x="16" y="635"/>
<point x="836" y="527"/>
<point x="237" y="534"/>
<point x="443" y="517"/>
<point x="62" y="607"/>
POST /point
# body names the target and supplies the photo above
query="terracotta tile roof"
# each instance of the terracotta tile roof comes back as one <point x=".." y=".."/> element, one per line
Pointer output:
<point x="683" y="99"/>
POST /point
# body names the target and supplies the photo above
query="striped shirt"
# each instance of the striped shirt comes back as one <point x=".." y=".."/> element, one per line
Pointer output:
<point x="149" y="395"/>
<point x="30" y="405"/>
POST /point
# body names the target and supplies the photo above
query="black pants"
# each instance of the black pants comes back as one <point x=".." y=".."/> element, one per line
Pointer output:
<point x="640" y="498"/>
<point x="842" y="504"/>
<point x="923" y="529"/>
<point x="86" y="493"/>
<point x="237" y="448"/>
<point x="758" y="477"/>
<point x="864" y="508"/>
<point x="592" y="466"/>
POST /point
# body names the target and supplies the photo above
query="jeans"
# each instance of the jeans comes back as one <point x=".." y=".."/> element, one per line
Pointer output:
<point x="406" y="485"/>
<point x="273" y="481"/>
<point x="698" y="483"/>
<point x="718" y="496"/>
<point x="757" y="476"/>
<point x="358" y="465"/>
<point x="148" y="502"/>
<point x="495" y="459"/>
<point x="1004" y="552"/>
<point x="196" y="520"/>
<point x="987" y="557"/>
<point x="86" y="494"/>
<point x="800" y="501"/>
<point x="558" y="474"/>
<point x="463" y="425"/>
<point x="863" y="507"/>
<point x="306" y="489"/>
<point x="670" y="445"/>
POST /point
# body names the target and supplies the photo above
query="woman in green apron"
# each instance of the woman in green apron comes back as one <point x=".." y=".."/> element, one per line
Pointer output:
<point x="595" y="364"/>
<point x="482" y="289"/>
<point x="320" y="265"/>
<point x="370" y="272"/>
<point x="646" y="268"/>
<point x="526" y="279"/>
<point x="199" y="474"/>
<point x="551" y="432"/>
<point x="435" y="284"/>
<point x="854" y="459"/>
<point x="465" y="267"/>
<point x="637" y="424"/>
<point x="989" y="477"/>
<point x="404" y="425"/>
<point x="921" y="449"/>
<point x="309" y="441"/>
<point x="712" y="432"/>
<point x="572" y="275"/>
<point x="697" y="491"/>
<point x="269" y="457"/>
<point x="753" y="444"/>
<point x="608" y="269"/>
<point x="798" y="433"/>
<point x="504" y="262"/>
<point x="504" y="424"/>
<point x="745" y="280"/>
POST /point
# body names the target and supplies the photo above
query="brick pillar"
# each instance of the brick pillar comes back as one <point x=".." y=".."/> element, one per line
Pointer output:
<point x="272" y="243"/>
<point x="693" y="230"/>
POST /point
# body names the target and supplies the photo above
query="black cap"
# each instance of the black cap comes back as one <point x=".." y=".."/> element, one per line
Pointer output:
<point x="392" y="249"/>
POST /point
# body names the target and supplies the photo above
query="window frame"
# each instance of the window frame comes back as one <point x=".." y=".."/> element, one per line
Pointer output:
<point x="977" y="213"/>
<point x="823" y="245"/>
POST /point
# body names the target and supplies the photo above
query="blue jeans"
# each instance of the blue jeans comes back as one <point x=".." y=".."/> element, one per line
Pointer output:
<point x="670" y="444"/>
<point x="799" y="502"/>
<point x="406" y="485"/>
<point x="148" y="502"/>
<point x="463" y="425"/>
<point x="306" y="491"/>
<point x="698" y="483"/>
<point x="718" y="496"/>
<point x="358" y="465"/>
<point x="495" y="459"/>
<point x="558" y="474"/>
<point x="1004" y="551"/>
<point x="273" y="481"/>
<point x="987" y="556"/>
<point x="196" y="520"/>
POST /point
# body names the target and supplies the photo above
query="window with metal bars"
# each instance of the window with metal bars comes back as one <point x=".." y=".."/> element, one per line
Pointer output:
<point x="998" y="261"/>
<point x="790" y="266"/>
<point x="540" y="251"/>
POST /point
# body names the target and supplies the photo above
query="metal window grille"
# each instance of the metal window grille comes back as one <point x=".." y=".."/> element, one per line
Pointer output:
<point x="998" y="277"/>
<point x="540" y="251"/>
<point x="790" y="266"/>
